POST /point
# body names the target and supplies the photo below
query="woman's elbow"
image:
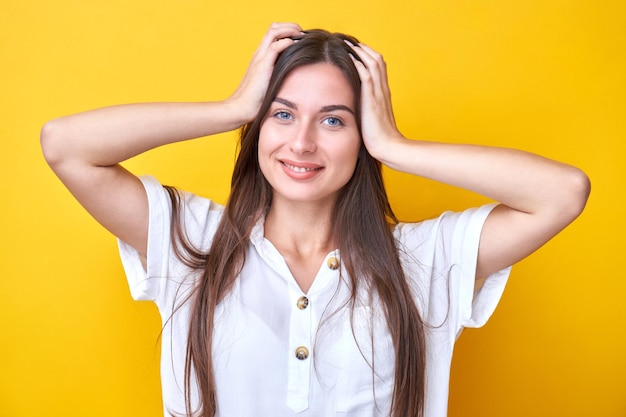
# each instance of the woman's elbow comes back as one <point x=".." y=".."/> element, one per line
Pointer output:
<point x="576" y="193"/>
<point x="51" y="140"/>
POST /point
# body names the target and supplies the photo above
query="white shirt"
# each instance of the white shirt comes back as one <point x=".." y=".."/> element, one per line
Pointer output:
<point x="261" y="327"/>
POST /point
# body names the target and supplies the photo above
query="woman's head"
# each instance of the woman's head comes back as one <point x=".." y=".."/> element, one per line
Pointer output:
<point x="313" y="47"/>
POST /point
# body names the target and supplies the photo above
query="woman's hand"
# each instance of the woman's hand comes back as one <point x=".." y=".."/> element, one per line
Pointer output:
<point x="249" y="95"/>
<point x="377" y="120"/>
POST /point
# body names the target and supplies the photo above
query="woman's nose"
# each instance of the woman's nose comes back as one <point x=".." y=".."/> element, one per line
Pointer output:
<point x="303" y="139"/>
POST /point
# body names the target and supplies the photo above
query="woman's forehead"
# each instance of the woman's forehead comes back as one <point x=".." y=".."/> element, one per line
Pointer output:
<point x="321" y="83"/>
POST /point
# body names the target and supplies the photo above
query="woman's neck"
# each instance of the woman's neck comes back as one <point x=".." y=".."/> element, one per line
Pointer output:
<point x="303" y="235"/>
<point x="301" y="228"/>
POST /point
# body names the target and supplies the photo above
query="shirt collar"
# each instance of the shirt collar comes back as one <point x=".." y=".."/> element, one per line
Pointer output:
<point x="268" y="251"/>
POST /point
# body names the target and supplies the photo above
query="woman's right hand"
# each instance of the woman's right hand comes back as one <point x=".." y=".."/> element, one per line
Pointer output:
<point x="249" y="95"/>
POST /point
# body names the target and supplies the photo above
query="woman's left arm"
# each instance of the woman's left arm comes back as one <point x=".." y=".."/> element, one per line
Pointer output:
<point x="539" y="197"/>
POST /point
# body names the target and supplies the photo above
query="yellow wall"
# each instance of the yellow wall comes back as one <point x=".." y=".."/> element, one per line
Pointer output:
<point x="545" y="76"/>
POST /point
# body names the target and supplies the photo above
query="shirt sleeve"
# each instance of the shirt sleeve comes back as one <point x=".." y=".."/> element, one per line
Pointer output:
<point x="440" y="256"/>
<point x="474" y="308"/>
<point x="144" y="284"/>
<point x="164" y="272"/>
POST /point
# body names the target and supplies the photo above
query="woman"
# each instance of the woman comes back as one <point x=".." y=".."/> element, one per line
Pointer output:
<point x="253" y="325"/>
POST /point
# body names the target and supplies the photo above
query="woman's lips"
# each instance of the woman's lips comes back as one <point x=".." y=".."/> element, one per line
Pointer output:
<point x="300" y="170"/>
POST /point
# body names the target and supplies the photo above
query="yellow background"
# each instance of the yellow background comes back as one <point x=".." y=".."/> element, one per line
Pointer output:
<point x="545" y="76"/>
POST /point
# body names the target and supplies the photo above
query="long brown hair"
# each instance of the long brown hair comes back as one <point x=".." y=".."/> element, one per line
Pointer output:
<point x="364" y="238"/>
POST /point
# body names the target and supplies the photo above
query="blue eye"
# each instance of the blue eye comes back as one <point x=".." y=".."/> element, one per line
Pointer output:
<point x="282" y="115"/>
<point x="333" y="121"/>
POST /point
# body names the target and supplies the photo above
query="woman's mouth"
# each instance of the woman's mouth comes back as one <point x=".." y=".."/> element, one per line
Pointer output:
<point x="300" y="169"/>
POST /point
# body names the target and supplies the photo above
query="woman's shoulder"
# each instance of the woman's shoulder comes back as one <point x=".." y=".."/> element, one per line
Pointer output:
<point x="198" y="215"/>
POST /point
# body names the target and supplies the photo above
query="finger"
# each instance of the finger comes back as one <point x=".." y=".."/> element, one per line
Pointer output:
<point x="277" y="38"/>
<point x="375" y="66"/>
<point x="369" y="58"/>
<point x="358" y="63"/>
<point x="373" y="74"/>
<point x="277" y="47"/>
<point x="364" y="75"/>
<point x="278" y="31"/>
<point x="377" y="58"/>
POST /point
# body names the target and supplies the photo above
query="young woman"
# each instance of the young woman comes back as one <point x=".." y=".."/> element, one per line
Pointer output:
<point x="304" y="295"/>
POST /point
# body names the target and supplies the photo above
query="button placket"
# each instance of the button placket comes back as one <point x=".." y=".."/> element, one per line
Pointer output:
<point x="299" y="361"/>
<point x="301" y="329"/>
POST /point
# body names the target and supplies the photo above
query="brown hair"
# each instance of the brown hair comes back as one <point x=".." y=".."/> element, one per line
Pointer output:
<point x="364" y="238"/>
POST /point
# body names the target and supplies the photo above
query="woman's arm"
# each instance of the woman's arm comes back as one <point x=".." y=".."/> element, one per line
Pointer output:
<point x="85" y="149"/>
<point x="539" y="196"/>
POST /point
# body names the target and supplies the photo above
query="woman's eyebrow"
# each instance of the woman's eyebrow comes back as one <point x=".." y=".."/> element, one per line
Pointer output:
<point x="325" y="109"/>
<point x="286" y="103"/>
<point x="335" y="107"/>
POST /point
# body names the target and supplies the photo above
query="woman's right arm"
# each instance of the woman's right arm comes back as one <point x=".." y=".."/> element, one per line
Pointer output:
<point x="84" y="150"/>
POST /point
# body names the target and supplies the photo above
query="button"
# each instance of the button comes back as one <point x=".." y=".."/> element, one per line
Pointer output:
<point x="333" y="263"/>
<point x="302" y="353"/>
<point x="303" y="302"/>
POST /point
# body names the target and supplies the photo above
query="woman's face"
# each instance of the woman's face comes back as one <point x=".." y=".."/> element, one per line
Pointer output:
<point x="309" y="141"/>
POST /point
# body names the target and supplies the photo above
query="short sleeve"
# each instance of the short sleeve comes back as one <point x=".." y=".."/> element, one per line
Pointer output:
<point x="474" y="308"/>
<point x="141" y="287"/>
<point x="164" y="270"/>
<point x="439" y="257"/>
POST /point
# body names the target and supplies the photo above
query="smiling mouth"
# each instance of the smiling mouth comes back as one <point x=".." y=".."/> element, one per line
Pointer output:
<point x="298" y="169"/>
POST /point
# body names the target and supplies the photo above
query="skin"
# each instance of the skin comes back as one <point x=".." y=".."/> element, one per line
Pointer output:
<point x="538" y="196"/>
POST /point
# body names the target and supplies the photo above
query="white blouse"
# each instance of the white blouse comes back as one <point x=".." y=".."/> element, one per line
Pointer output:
<point x="279" y="352"/>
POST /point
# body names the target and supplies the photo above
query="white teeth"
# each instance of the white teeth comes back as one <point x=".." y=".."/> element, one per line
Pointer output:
<point x="299" y="169"/>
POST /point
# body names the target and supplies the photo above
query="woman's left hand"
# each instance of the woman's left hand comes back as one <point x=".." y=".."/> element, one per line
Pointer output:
<point x="377" y="120"/>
